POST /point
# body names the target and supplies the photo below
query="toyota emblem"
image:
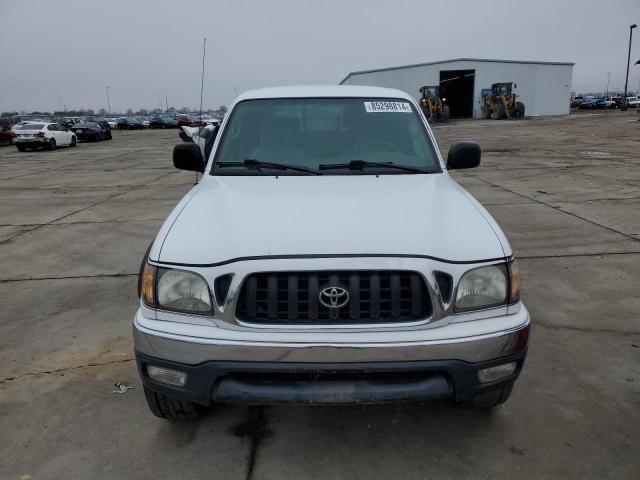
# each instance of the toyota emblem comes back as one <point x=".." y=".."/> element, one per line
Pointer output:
<point x="334" y="297"/>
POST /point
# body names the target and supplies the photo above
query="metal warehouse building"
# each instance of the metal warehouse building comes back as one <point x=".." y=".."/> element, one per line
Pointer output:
<point x="544" y="87"/>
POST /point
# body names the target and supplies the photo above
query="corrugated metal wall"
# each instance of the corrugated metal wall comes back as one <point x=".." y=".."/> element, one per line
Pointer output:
<point x="544" y="89"/>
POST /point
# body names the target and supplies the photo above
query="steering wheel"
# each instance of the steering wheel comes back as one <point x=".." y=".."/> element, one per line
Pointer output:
<point x="390" y="147"/>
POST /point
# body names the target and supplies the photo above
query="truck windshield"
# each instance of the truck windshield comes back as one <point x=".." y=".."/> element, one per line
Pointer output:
<point x="317" y="133"/>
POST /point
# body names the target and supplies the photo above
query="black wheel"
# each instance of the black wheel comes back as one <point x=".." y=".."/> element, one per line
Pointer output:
<point x="171" y="408"/>
<point x="446" y="113"/>
<point x="490" y="399"/>
<point x="52" y="144"/>
<point x="74" y="142"/>
<point x="520" y="109"/>
<point x="498" y="113"/>
<point x="21" y="148"/>
<point x="109" y="136"/>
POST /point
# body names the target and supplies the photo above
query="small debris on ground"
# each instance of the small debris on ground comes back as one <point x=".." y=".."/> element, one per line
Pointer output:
<point x="517" y="451"/>
<point x="121" y="388"/>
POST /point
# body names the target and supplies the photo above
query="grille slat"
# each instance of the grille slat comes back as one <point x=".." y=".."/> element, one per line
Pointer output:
<point x="272" y="297"/>
<point x="395" y="295"/>
<point x="293" y="297"/>
<point x="374" y="281"/>
<point x="354" y="290"/>
<point x="292" y="287"/>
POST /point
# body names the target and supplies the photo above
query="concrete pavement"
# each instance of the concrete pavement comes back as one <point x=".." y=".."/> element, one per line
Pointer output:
<point x="74" y="224"/>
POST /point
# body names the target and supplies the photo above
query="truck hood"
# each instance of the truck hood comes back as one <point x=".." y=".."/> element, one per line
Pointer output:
<point x="233" y="217"/>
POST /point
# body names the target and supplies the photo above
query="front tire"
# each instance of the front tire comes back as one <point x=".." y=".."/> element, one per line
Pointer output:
<point x="74" y="142"/>
<point x="52" y="144"/>
<point x="491" y="398"/>
<point x="21" y="148"/>
<point x="171" y="408"/>
<point x="446" y="113"/>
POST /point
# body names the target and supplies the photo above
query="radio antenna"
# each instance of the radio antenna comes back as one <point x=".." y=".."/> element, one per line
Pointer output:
<point x="204" y="54"/>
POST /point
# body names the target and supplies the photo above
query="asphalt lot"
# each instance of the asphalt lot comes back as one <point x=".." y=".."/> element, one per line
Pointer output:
<point x="74" y="224"/>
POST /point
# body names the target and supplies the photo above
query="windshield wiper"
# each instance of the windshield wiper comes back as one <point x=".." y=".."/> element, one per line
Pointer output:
<point x="257" y="164"/>
<point x="362" y="164"/>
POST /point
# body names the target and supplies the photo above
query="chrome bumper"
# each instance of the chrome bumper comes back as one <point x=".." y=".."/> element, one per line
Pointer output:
<point x="471" y="341"/>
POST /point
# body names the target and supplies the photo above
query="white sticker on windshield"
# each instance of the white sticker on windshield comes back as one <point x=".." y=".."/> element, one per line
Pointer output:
<point x="402" y="107"/>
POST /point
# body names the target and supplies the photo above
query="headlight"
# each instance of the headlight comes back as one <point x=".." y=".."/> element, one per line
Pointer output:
<point x="482" y="287"/>
<point x="176" y="290"/>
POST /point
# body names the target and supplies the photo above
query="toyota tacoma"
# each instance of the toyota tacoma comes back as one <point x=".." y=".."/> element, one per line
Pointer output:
<point x="326" y="256"/>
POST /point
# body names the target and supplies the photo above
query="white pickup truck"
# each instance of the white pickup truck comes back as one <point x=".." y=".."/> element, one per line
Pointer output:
<point x="327" y="257"/>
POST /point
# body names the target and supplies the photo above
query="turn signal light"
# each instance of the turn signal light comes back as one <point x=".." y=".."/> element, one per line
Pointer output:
<point x="168" y="376"/>
<point x="516" y="282"/>
<point x="496" y="373"/>
<point x="148" y="285"/>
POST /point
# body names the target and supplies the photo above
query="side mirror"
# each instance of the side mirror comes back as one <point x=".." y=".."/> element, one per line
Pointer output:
<point x="463" y="155"/>
<point x="187" y="156"/>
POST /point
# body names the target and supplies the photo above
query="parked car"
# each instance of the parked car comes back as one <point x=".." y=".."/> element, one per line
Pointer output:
<point x="207" y="120"/>
<point x="170" y="120"/>
<point x="129" y="123"/>
<point x="157" y="122"/>
<point x="135" y="123"/>
<point x="186" y="120"/>
<point x="146" y="122"/>
<point x="92" y="131"/>
<point x="610" y="102"/>
<point x="44" y="135"/>
<point x="577" y="101"/>
<point x="6" y="134"/>
<point x="394" y="285"/>
<point x="113" y="123"/>
<point x="163" y="121"/>
<point x="70" y="121"/>
<point x="591" y="103"/>
<point x="634" y="102"/>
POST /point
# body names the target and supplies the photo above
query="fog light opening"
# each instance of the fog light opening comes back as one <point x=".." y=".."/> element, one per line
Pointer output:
<point x="168" y="376"/>
<point x="499" y="372"/>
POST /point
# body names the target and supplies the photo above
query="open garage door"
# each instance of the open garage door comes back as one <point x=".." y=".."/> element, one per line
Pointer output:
<point x="457" y="88"/>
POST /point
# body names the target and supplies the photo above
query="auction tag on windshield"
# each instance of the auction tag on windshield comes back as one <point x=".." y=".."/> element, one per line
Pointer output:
<point x="401" y="107"/>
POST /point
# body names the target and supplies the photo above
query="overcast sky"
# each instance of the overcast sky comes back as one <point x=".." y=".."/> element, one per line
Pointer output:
<point x="59" y="53"/>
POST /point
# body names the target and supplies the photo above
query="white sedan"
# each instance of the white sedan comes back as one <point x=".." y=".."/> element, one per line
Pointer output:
<point x="44" y="135"/>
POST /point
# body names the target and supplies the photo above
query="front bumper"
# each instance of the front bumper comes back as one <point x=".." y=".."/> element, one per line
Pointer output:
<point x="272" y="372"/>
<point x="327" y="383"/>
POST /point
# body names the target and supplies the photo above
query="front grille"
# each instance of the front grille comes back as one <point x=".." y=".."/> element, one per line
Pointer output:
<point x="383" y="296"/>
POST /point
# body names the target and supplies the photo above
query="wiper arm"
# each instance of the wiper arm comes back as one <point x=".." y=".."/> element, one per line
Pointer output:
<point x="362" y="164"/>
<point x="257" y="164"/>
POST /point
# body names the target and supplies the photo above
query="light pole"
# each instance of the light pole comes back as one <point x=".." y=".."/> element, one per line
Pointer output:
<point x="626" y="79"/>
<point x="608" y="78"/>
<point x="108" y="101"/>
